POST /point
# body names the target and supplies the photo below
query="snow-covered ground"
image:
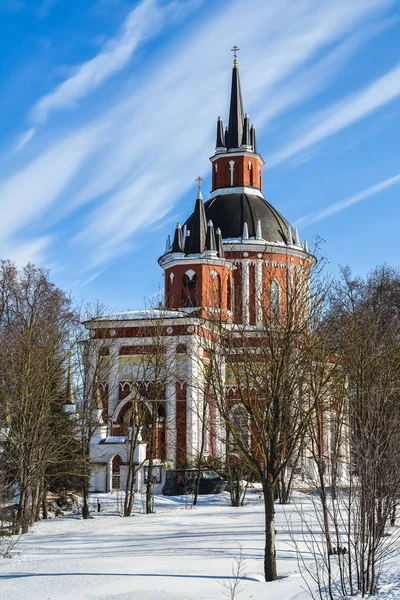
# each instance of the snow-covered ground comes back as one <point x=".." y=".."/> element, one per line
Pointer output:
<point x="177" y="553"/>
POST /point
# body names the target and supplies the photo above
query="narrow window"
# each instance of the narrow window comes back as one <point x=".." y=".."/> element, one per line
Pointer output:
<point x="189" y="290"/>
<point x="240" y="429"/>
<point x="275" y="299"/>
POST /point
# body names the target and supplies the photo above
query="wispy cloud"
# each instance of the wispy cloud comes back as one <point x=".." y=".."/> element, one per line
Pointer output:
<point x="25" y="137"/>
<point x="343" y="114"/>
<point x="142" y="22"/>
<point x="333" y="209"/>
<point x="142" y="153"/>
<point x="28" y="193"/>
<point x="23" y="251"/>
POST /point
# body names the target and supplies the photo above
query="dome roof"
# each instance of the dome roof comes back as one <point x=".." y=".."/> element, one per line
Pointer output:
<point x="229" y="212"/>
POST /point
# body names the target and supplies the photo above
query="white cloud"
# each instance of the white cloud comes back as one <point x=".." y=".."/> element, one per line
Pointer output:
<point x="28" y="193"/>
<point x="23" y="251"/>
<point x="172" y="130"/>
<point x="113" y="58"/>
<point x="342" y="114"/>
<point x="145" y="151"/>
<point x="24" y="138"/>
<point x="343" y="204"/>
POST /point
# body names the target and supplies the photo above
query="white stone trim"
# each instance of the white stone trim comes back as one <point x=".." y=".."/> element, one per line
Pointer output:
<point x="170" y="405"/>
<point x="258" y="294"/>
<point x="113" y="381"/>
<point x="165" y="263"/>
<point x="237" y="189"/>
<point x="245" y="292"/>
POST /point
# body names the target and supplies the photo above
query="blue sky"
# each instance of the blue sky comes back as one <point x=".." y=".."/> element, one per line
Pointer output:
<point x="108" y="112"/>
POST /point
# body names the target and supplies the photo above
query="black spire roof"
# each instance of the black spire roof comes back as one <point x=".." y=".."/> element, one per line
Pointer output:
<point x="211" y="244"/>
<point x="230" y="212"/>
<point x="253" y="138"/>
<point x="236" y="117"/>
<point x="246" y="131"/>
<point x="177" y="244"/>
<point x="198" y="228"/>
<point x="220" y="143"/>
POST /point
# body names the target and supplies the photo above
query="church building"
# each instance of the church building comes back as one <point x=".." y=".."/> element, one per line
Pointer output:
<point x="232" y="251"/>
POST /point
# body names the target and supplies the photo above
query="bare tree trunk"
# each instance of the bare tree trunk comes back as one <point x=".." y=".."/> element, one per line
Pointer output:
<point x="202" y="444"/>
<point x="131" y="475"/>
<point x="45" y="512"/>
<point x="270" y="570"/>
<point x="85" y="496"/>
<point x="149" y="485"/>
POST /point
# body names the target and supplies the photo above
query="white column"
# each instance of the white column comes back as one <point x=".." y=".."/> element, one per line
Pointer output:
<point x="220" y="430"/>
<point x="259" y="293"/>
<point x="113" y="381"/>
<point x="245" y="291"/>
<point x="170" y="405"/>
<point x="232" y="168"/>
<point x="192" y="406"/>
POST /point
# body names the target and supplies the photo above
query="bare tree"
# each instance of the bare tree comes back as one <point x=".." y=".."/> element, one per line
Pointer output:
<point x="362" y="400"/>
<point x="91" y="360"/>
<point x="36" y="323"/>
<point x="257" y="379"/>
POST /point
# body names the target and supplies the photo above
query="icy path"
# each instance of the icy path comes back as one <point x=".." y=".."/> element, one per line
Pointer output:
<point x="174" y="554"/>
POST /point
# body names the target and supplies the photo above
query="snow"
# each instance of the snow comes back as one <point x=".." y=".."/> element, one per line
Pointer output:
<point x="134" y="315"/>
<point x="177" y="553"/>
<point x="114" y="439"/>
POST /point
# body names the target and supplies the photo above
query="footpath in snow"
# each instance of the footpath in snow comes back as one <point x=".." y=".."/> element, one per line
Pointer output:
<point x="177" y="553"/>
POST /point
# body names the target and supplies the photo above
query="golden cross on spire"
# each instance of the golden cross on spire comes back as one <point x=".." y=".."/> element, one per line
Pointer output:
<point x="199" y="180"/>
<point x="235" y="50"/>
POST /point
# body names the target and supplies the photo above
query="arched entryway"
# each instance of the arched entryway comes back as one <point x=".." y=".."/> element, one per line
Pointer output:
<point x="116" y="473"/>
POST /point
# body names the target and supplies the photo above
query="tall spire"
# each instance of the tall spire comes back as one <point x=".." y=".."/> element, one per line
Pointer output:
<point x="236" y="116"/>
<point x="220" y="143"/>
<point x="197" y="238"/>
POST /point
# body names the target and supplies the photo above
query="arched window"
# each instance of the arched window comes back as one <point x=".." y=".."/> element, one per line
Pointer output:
<point x="251" y="176"/>
<point x="275" y="300"/>
<point x="216" y="288"/>
<point x="116" y="473"/>
<point x="189" y="289"/>
<point x="240" y="428"/>
<point x="214" y="174"/>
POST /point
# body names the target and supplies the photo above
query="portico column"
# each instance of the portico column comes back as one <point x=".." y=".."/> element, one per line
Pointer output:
<point x="113" y="394"/>
<point x="259" y="294"/>
<point x="192" y="407"/>
<point x="220" y="434"/>
<point x="170" y="406"/>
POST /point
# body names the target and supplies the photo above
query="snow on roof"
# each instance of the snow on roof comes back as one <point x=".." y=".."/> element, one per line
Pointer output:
<point x="114" y="439"/>
<point x="136" y="315"/>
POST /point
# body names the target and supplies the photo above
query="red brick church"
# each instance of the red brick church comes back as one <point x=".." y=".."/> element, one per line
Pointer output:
<point x="232" y="252"/>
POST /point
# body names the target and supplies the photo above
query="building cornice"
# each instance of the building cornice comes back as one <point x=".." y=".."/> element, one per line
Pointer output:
<point x="239" y="189"/>
<point x="194" y="259"/>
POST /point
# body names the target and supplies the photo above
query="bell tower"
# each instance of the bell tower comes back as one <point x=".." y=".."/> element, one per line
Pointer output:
<point x="236" y="164"/>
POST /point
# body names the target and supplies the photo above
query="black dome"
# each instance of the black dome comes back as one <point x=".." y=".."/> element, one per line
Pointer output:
<point x="229" y="212"/>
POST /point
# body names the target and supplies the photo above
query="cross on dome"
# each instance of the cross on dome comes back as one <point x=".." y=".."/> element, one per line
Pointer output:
<point x="199" y="180"/>
<point x="235" y="50"/>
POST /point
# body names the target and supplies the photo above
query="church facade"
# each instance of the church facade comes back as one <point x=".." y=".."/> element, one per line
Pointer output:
<point x="233" y="251"/>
